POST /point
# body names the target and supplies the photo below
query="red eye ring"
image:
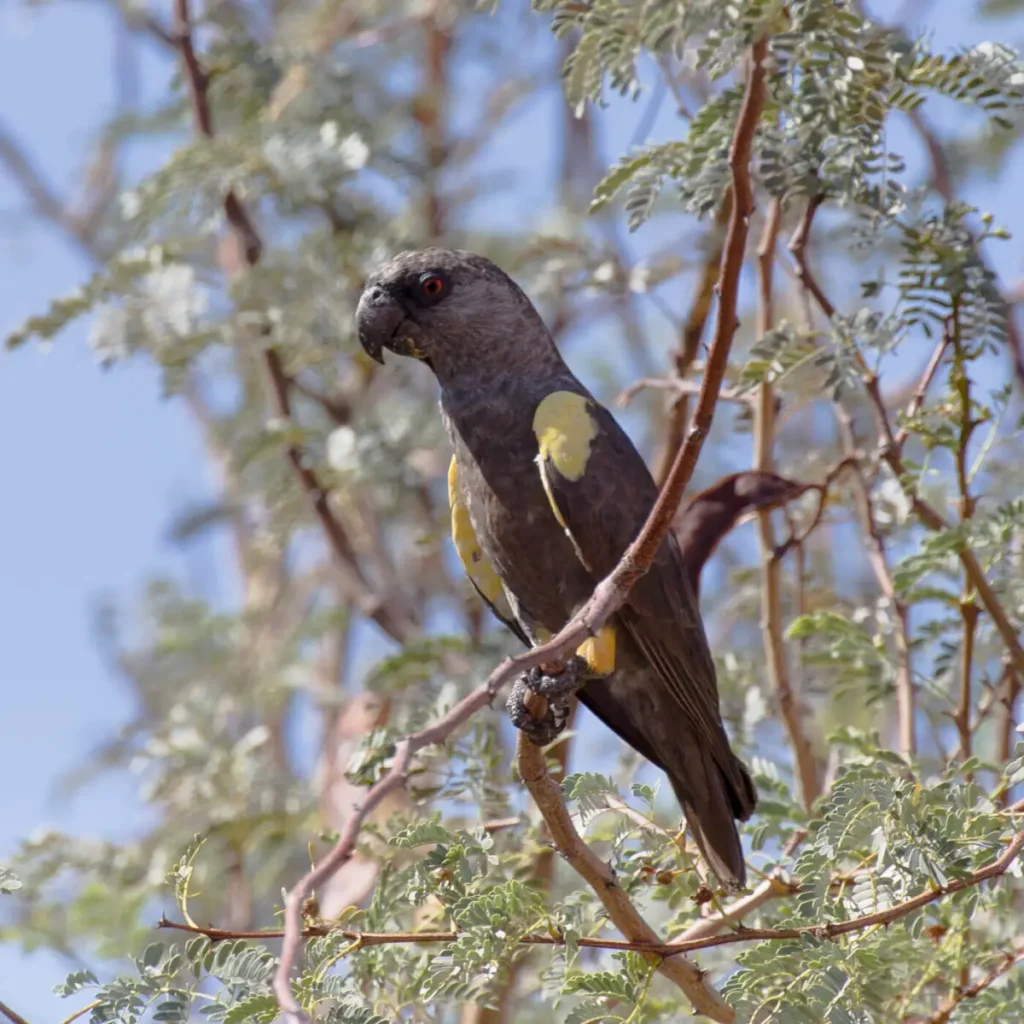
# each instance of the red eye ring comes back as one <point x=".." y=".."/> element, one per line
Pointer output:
<point x="432" y="286"/>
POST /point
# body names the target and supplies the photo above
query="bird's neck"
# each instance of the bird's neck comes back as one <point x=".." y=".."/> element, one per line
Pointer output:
<point x="499" y="411"/>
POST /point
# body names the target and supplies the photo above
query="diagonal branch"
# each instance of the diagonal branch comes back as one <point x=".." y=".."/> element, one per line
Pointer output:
<point x="547" y="794"/>
<point x="1006" y="962"/>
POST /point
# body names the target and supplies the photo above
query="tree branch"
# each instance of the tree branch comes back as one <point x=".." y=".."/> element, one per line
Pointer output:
<point x="944" y="1012"/>
<point x="547" y="794"/>
<point x="822" y="930"/>
<point x="805" y="763"/>
<point x="14" y="1018"/>
<point x="798" y="248"/>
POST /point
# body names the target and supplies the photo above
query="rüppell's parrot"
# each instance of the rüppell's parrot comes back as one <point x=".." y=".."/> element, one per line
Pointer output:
<point x="547" y="491"/>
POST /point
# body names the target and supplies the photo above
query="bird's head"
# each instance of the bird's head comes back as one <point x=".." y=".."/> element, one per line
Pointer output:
<point x="453" y="310"/>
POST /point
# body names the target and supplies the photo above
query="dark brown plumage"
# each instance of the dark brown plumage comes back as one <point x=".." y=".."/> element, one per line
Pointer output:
<point x="554" y="491"/>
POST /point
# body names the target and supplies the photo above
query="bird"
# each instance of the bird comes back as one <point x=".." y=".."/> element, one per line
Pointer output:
<point x="546" y="492"/>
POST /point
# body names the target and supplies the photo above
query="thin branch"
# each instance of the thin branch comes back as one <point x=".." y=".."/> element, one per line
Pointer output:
<point x="43" y="197"/>
<point x="806" y="765"/>
<point x="921" y="391"/>
<point x="933" y="520"/>
<point x="680" y="387"/>
<point x="906" y="726"/>
<point x="14" y="1018"/>
<point x="968" y="609"/>
<point x="692" y="332"/>
<point x="944" y="1012"/>
<point x="798" y="248"/>
<point x="822" y="930"/>
<point x="88" y="1008"/>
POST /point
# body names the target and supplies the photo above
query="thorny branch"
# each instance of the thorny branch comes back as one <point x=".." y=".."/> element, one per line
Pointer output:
<point x="823" y="930"/>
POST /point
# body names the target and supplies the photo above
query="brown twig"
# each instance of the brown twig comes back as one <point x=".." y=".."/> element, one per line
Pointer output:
<point x="824" y="930"/>
<point x="798" y="248"/>
<point x="968" y="609"/>
<point x="906" y="726"/>
<point x="933" y="520"/>
<point x="774" y="886"/>
<point x="921" y="391"/>
<point x="88" y="1008"/>
<point x="14" y="1018"/>
<point x="944" y="1012"/>
<point x="806" y="765"/>
<point x="692" y="332"/>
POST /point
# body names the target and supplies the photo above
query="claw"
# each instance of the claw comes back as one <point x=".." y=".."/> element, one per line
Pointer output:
<point x="556" y="690"/>
<point x="540" y="731"/>
<point x="559" y="685"/>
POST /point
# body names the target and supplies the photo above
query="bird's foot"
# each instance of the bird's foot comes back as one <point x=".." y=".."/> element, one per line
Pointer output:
<point x="558" y="685"/>
<point x="556" y="691"/>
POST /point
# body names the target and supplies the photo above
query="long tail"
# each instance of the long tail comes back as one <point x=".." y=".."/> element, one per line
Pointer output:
<point x="711" y="811"/>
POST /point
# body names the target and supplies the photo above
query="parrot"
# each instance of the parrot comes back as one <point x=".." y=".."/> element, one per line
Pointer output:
<point x="546" y="492"/>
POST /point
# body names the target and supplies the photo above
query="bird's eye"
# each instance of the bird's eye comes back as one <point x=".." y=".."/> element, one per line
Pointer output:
<point x="432" y="287"/>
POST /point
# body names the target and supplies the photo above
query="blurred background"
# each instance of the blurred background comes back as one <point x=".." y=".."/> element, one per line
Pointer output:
<point x="151" y="539"/>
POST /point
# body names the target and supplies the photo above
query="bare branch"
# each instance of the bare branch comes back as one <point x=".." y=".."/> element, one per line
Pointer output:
<point x="14" y="1018"/>
<point x="806" y="765"/>
<point x="798" y="247"/>
<point x="43" y="197"/>
<point x="692" y="332"/>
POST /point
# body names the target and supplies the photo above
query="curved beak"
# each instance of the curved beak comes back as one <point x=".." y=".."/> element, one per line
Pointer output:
<point x="378" y="318"/>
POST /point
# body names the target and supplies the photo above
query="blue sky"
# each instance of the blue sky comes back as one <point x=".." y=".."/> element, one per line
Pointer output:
<point x="93" y="463"/>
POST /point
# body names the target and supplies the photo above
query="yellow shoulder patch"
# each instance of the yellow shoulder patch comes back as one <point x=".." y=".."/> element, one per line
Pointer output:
<point x="565" y="431"/>
<point x="599" y="651"/>
<point x="467" y="547"/>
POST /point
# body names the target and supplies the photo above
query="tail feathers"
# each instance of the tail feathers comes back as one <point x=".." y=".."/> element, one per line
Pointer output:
<point x="711" y="810"/>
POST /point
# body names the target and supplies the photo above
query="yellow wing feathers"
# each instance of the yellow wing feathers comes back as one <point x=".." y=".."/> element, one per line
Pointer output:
<point x="479" y="570"/>
<point x="599" y="651"/>
<point x="565" y="431"/>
